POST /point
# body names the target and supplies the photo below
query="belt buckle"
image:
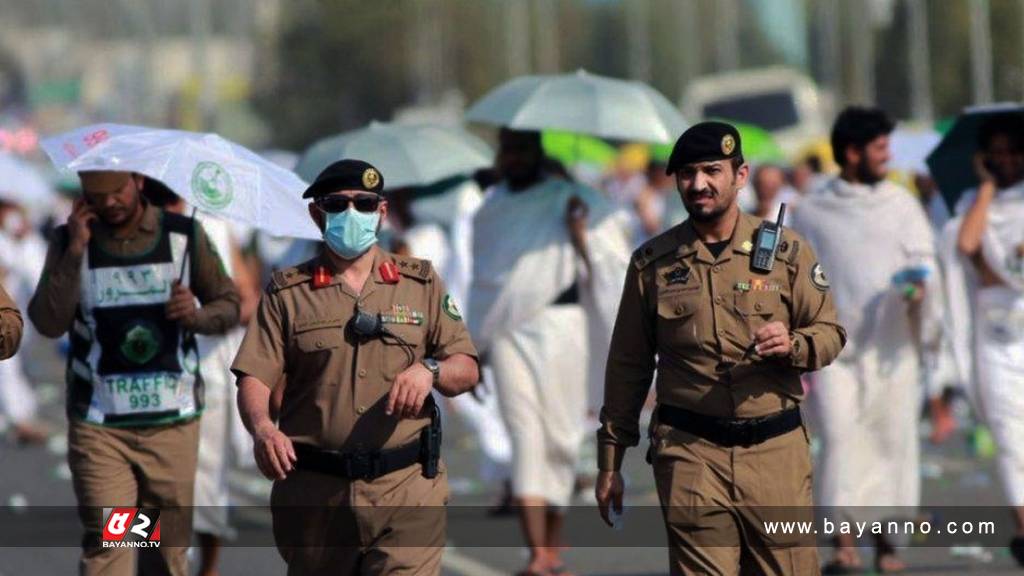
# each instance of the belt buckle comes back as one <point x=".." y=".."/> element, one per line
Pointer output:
<point x="743" y="433"/>
<point x="363" y="466"/>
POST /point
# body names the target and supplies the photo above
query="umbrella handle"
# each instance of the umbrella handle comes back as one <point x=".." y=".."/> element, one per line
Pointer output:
<point x="188" y="246"/>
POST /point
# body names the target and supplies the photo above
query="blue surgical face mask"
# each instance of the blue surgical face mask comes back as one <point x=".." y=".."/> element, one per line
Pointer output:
<point x="351" y="233"/>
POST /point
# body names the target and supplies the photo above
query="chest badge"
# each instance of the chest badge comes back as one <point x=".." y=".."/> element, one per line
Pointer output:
<point x="677" y="275"/>
<point x="402" y="314"/>
<point x="389" y="272"/>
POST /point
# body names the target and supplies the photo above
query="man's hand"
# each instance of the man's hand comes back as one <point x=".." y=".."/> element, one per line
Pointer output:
<point x="410" y="391"/>
<point x="609" y="490"/>
<point x="181" y="307"/>
<point x="981" y="169"/>
<point x="772" y="339"/>
<point x="274" y="452"/>
<point x="576" y="213"/>
<point x="79" y="231"/>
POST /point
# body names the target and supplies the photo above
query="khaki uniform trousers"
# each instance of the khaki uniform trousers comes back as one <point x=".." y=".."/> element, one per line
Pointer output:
<point x="394" y="524"/>
<point x="153" y="467"/>
<point x="715" y="501"/>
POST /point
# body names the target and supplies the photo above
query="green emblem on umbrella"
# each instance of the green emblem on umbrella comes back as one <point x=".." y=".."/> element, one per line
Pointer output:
<point x="212" y="186"/>
<point x="140" y="344"/>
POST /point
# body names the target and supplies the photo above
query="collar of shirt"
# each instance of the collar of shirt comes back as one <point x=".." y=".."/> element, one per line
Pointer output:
<point x="148" y="224"/>
<point x="690" y="244"/>
<point x="379" y="257"/>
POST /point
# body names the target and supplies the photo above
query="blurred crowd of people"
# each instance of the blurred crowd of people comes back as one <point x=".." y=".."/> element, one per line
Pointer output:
<point x="508" y="241"/>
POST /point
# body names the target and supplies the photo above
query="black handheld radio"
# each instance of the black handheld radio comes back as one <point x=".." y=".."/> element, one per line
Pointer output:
<point x="766" y="243"/>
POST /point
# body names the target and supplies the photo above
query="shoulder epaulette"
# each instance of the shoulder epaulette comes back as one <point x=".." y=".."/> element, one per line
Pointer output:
<point x="655" y="248"/>
<point x="288" y="277"/>
<point x="789" y="250"/>
<point x="414" y="268"/>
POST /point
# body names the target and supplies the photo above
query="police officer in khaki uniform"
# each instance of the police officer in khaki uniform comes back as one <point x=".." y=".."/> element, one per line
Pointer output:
<point x="11" y="325"/>
<point x="116" y="280"/>
<point x="728" y="343"/>
<point x="361" y="337"/>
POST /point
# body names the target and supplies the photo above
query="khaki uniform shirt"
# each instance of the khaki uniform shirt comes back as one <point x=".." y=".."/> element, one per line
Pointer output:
<point x="693" y="318"/>
<point x="11" y="325"/>
<point x="336" y="385"/>
<point x="53" y="306"/>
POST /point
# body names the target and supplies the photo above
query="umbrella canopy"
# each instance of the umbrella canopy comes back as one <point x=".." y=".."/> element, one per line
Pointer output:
<point x="209" y="172"/>
<point x="405" y="154"/>
<point x="571" y="149"/>
<point x="582" y="103"/>
<point x="910" y="147"/>
<point x="21" y="183"/>
<point x="759" y="146"/>
<point x="951" y="162"/>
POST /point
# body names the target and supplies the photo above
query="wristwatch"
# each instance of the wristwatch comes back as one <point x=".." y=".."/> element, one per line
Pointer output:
<point x="434" y="368"/>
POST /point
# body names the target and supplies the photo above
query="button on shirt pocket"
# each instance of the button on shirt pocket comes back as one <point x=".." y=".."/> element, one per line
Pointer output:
<point x="678" y="318"/>
<point x="315" y="341"/>
<point x="757" y="308"/>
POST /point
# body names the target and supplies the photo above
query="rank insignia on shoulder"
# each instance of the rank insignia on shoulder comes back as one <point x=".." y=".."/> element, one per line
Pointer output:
<point x="677" y="275"/>
<point x="402" y="314"/>
<point x="389" y="272"/>
<point x="321" y="277"/>
<point x="746" y="247"/>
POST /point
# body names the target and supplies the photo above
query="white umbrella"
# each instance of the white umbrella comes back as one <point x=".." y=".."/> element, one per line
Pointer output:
<point x="583" y="103"/>
<point x="910" y="148"/>
<point x="21" y="183"/>
<point x="209" y="172"/>
<point x="405" y="154"/>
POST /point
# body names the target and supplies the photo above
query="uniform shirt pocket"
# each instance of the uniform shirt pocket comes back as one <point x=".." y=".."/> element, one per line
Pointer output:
<point x="678" y="320"/>
<point x="319" y="335"/>
<point x="403" y="347"/>
<point x="757" y="303"/>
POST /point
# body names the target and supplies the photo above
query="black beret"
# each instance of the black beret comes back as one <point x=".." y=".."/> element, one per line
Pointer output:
<point x="346" y="175"/>
<point x="705" y="142"/>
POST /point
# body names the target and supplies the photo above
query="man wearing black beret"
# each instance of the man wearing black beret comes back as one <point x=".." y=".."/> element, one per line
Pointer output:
<point x="364" y="337"/>
<point x="728" y="343"/>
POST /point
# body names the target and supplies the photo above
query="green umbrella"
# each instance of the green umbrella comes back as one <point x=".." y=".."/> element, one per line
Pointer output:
<point x="759" y="146"/>
<point x="571" y="149"/>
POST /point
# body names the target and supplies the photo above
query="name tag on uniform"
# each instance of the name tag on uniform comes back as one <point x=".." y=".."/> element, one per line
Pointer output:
<point x="678" y="275"/>
<point x="402" y="314"/>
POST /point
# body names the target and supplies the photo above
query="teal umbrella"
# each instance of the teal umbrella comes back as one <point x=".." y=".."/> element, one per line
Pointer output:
<point x="951" y="162"/>
<point x="406" y="154"/>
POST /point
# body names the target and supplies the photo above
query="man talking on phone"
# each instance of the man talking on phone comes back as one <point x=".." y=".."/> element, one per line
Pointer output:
<point x="123" y="277"/>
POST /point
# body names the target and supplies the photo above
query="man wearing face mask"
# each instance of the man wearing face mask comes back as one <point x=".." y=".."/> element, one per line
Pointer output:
<point x="728" y="343"/>
<point x="364" y="337"/>
<point x="123" y="277"/>
<point x="875" y="239"/>
<point x="11" y="326"/>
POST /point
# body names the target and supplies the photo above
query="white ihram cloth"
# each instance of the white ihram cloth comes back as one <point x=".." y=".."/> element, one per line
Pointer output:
<point x="216" y="425"/>
<point x="988" y="340"/>
<point x="21" y="264"/>
<point x="545" y="358"/>
<point x="866" y="403"/>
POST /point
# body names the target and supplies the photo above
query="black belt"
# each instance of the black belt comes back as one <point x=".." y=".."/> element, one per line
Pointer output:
<point x="356" y="465"/>
<point x="730" y="431"/>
